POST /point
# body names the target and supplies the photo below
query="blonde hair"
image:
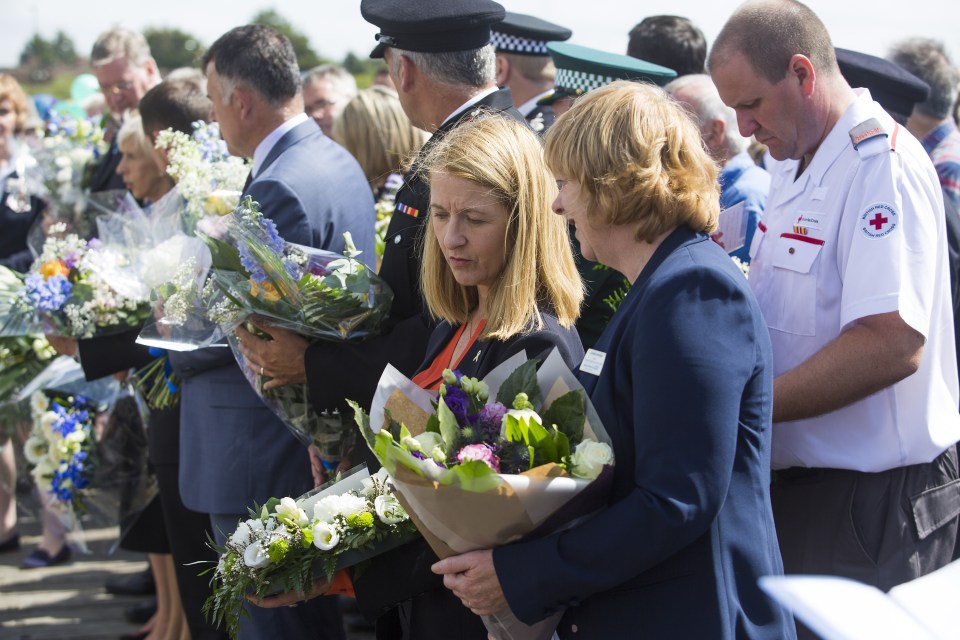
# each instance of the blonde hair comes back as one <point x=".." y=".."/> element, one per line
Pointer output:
<point x="11" y="90"/>
<point x="505" y="157"/>
<point x="374" y="128"/>
<point x="638" y="156"/>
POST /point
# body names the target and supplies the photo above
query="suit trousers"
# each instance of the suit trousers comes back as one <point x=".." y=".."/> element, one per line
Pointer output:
<point x="881" y="528"/>
<point x="317" y="619"/>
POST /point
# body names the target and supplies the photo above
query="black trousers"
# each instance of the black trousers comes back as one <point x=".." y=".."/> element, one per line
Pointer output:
<point x="881" y="528"/>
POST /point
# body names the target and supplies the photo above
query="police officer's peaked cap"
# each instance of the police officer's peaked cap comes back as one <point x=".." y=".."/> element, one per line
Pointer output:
<point x="895" y="88"/>
<point x="527" y="35"/>
<point x="431" y="26"/>
<point x="582" y="69"/>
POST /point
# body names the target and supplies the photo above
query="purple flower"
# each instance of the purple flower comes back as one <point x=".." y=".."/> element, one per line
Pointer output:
<point x="480" y="452"/>
<point x="491" y="418"/>
<point x="459" y="404"/>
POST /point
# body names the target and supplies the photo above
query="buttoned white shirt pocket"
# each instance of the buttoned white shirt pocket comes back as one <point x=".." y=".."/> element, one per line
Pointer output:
<point x="758" y="237"/>
<point x="794" y="258"/>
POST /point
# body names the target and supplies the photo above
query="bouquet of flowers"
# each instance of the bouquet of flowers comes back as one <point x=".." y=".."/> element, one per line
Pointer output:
<point x="208" y="178"/>
<point x="315" y="293"/>
<point x="67" y="290"/>
<point x="287" y="542"/>
<point x="59" y="447"/>
<point x="21" y="359"/>
<point x="474" y="473"/>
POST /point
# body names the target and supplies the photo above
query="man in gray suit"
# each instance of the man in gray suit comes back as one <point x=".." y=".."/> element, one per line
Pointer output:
<point x="234" y="451"/>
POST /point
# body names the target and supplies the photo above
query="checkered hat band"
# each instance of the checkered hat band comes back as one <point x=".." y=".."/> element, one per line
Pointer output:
<point x="580" y="80"/>
<point x="507" y="42"/>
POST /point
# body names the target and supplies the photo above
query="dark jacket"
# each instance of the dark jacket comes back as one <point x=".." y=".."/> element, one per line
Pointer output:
<point x="685" y="391"/>
<point x="336" y="371"/>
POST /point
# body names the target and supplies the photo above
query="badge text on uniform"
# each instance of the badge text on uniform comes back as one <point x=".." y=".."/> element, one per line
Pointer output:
<point x="593" y="362"/>
<point x="879" y="220"/>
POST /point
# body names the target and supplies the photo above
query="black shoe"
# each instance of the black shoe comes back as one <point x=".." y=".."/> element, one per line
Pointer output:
<point x="140" y="612"/>
<point x="10" y="544"/>
<point x="137" y="584"/>
<point x="40" y="558"/>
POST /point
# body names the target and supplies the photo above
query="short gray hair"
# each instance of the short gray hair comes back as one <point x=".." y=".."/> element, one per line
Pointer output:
<point x="928" y="60"/>
<point x="474" y="67"/>
<point x="342" y="79"/>
<point x="120" y="43"/>
<point x="708" y="106"/>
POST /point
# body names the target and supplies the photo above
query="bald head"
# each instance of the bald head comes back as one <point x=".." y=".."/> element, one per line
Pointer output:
<point x="768" y="33"/>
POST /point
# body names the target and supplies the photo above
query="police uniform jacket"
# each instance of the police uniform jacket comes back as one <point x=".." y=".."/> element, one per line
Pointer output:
<point x="336" y="371"/>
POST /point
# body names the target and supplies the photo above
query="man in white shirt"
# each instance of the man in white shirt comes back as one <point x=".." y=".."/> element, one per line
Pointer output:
<point x="850" y="269"/>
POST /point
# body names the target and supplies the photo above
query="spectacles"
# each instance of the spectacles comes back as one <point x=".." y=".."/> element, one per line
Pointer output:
<point x="116" y="88"/>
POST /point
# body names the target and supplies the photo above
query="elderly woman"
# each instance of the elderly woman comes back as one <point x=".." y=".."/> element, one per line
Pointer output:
<point x="682" y="380"/>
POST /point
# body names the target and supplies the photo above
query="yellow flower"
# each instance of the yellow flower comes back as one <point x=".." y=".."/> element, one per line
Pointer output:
<point x="53" y="268"/>
<point x="266" y="291"/>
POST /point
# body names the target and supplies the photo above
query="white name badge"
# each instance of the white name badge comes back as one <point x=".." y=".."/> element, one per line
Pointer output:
<point x="593" y="362"/>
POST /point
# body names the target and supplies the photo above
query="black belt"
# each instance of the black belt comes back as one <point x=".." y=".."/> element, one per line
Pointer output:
<point x="793" y="474"/>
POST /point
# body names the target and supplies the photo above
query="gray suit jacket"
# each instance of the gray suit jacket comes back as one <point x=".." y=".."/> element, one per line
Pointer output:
<point x="233" y="450"/>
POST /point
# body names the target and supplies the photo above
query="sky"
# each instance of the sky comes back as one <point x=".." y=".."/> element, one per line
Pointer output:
<point x="335" y="27"/>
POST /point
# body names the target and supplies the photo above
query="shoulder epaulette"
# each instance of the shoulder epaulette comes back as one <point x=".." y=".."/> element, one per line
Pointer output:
<point x="865" y="131"/>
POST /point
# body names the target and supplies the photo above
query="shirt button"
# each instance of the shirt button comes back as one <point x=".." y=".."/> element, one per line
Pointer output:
<point x="791" y="251"/>
<point x="396" y="239"/>
<point x="574" y="628"/>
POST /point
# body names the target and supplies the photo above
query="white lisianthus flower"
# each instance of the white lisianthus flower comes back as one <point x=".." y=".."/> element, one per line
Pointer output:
<point x="77" y="437"/>
<point x="289" y="513"/>
<point x="428" y="440"/>
<point x="389" y="510"/>
<point x="589" y="458"/>
<point x="35" y="448"/>
<point x="47" y="420"/>
<point x="325" y="536"/>
<point x="44" y="468"/>
<point x="38" y="403"/>
<point x="332" y="506"/>
<point x="255" y="555"/>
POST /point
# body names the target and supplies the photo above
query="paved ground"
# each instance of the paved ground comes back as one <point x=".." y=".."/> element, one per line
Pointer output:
<point x="68" y="601"/>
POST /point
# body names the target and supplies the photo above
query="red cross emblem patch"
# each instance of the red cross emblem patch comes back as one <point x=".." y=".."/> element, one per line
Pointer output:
<point x="879" y="220"/>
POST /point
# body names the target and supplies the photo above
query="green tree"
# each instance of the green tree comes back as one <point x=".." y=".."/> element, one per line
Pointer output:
<point x="307" y="58"/>
<point x="47" y="53"/>
<point x="173" y="48"/>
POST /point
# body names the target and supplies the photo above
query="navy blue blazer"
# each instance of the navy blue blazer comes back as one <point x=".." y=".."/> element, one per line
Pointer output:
<point x="686" y="394"/>
<point x="233" y="450"/>
<point x="14" y="227"/>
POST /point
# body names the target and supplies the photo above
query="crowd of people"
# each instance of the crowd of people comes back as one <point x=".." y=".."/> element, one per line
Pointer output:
<point x="548" y="196"/>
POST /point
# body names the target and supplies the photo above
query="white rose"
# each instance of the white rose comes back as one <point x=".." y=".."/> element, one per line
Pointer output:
<point x="589" y="458"/>
<point x="256" y="556"/>
<point x="325" y="536"/>
<point x="389" y="510"/>
<point x="47" y="421"/>
<point x="289" y="513"/>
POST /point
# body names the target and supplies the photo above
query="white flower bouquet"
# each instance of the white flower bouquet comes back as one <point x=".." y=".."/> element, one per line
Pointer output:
<point x="208" y="178"/>
<point x="475" y="473"/>
<point x="287" y="543"/>
<point x="67" y="291"/>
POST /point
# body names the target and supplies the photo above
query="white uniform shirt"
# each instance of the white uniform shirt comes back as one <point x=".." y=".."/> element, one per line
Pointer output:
<point x="861" y="232"/>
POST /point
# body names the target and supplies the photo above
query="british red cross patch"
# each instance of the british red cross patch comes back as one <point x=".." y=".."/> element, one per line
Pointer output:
<point x="879" y="220"/>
